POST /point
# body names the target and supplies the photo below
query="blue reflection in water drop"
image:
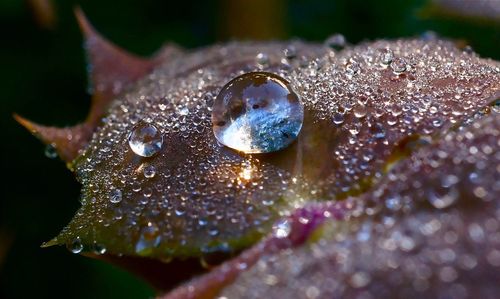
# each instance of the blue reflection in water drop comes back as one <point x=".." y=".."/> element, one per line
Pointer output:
<point x="257" y="113"/>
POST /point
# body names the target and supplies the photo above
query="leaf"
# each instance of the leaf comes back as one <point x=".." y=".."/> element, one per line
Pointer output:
<point x="367" y="107"/>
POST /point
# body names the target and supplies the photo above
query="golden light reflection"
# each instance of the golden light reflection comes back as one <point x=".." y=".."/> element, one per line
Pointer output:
<point x="247" y="173"/>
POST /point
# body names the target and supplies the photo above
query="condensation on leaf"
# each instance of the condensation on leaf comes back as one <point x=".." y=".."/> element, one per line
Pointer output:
<point x="418" y="250"/>
<point x="361" y="115"/>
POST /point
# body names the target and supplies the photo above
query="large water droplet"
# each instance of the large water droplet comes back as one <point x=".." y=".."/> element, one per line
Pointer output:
<point x="145" y="140"/>
<point x="257" y="113"/>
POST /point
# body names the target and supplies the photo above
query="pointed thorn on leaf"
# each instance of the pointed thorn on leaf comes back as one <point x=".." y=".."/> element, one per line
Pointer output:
<point x="112" y="69"/>
<point x="67" y="141"/>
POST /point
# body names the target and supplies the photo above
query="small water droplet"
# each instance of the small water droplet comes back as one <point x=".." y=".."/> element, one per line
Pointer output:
<point x="50" y="151"/>
<point x="352" y="68"/>
<point x="183" y="111"/>
<point x="338" y="118"/>
<point x="393" y="202"/>
<point x="378" y="131"/>
<point x="336" y="42"/>
<point x="495" y="106"/>
<point x="147" y="192"/>
<point x="442" y="197"/>
<point x="145" y="140"/>
<point x="386" y="56"/>
<point x="149" y="238"/>
<point x="149" y="171"/>
<point x="468" y="49"/>
<point x="115" y="195"/>
<point x="162" y="106"/>
<point x="282" y="229"/>
<point x="398" y="65"/>
<point x="75" y="246"/>
<point x="290" y="52"/>
<point x="180" y="211"/>
<point x="437" y="122"/>
<point x="99" y="248"/>
<point x="360" y="111"/>
<point x="257" y="113"/>
<point x="262" y="59"/>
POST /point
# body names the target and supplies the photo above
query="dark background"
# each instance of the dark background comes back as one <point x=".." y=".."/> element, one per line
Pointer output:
<point x="43" y="78"/>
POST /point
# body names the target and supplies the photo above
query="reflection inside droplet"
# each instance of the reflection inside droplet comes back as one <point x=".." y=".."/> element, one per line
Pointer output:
<point x="257" y="113"/>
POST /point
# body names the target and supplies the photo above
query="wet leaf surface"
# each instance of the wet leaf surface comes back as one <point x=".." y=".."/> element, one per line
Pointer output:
<point x="428" y="228"/>
<point x="366" y="108"/>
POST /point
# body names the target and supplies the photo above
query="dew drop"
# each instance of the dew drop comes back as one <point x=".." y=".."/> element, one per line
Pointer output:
<point x="147" y="192"/>
<point x="180" y="211"/>
<point x="75" y="246"/>
<point x="290" y="52"/>
<point x="257" y="113"/>
<point x="115" y="195"/>
<point x="352" y="68"/>
<point x="393" y="202"/>
<point x="50" y="151"/>
<point x="336" y="42"/>
<point x="360" y="111"/>
<point x="442" y="197"/>
<point x="386" y="56"/>
<point x="282" y="229"/>
<point x="262" y="59"/>
<point x="162" y="106"/>
<point x="398" y="65"/>
<point x="391" y="120"/>
<point x="149" y="171"/>
<point x="149" y="238"/>
<point x="145" y="140"/>
<point x="495" y="106"/>
<point x="98" y="248"/>
<point x="338" y="118"/>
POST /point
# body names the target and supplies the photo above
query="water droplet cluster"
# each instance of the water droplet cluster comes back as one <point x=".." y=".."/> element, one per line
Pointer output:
<point x="438" y="237"/>
<point x="368" y="103"/>
<point x="156" y="182"/>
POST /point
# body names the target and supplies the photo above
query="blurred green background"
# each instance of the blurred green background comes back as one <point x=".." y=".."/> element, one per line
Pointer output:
<point x="43" y="78"/>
